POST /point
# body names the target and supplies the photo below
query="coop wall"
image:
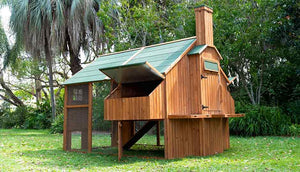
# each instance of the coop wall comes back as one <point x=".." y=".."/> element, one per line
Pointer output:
<point x="195" y="137"/>
<point x="185" y="93"/>
<point x="148" y="105"/>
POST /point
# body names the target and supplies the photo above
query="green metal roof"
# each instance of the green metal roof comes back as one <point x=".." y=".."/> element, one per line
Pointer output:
<point x="132" y="73"/>
<point x="160" y="56"/>
<point x="197" y="49"/>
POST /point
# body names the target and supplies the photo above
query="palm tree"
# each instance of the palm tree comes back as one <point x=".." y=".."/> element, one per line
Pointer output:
<point x="52" y="27"/>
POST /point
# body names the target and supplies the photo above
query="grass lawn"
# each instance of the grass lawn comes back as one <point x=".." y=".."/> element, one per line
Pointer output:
<point x="36" y="150"/>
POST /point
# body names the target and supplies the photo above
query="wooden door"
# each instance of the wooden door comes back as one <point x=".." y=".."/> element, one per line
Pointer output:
<point x="210" y="98"/>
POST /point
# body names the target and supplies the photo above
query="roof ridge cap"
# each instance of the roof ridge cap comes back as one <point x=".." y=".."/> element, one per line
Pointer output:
<point x="133" y="56"/>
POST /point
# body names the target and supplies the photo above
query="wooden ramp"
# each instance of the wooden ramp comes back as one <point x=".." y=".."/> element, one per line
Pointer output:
<point x="139" y="134"/>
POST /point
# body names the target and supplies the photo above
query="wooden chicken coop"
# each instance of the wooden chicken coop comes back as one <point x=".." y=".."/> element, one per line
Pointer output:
<point x="180" y="83"/>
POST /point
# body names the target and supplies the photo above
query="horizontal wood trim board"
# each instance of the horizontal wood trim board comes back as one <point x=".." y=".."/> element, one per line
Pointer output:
<point x="77" y="106"/>
<point x="204" y="116"/>
<point x="234" y="115"/>
<point x="196" y="116"/>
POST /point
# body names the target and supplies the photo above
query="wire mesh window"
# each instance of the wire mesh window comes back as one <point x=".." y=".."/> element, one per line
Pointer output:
<point x="77" y="119"/>
<point x="78" y="94"/>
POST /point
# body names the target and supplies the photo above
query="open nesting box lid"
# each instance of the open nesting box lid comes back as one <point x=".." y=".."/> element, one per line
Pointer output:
<point x="133" y="73"/>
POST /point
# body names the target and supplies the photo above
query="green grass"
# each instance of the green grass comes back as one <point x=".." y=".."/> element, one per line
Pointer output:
<point x="36" y="150"/>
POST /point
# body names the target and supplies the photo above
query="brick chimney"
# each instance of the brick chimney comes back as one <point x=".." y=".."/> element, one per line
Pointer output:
<point x="204" y="25"/>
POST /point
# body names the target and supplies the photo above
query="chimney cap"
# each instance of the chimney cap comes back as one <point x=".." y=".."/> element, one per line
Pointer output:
<point x="203" y="5"/>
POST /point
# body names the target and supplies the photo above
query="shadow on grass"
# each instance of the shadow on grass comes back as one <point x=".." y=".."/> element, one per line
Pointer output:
<point x="101" y="157"/>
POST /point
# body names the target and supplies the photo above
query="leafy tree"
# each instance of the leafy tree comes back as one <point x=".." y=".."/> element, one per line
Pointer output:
<point x="49" y="28"/>
<point x="130" y="24"/>
<point x="6" y="93"/>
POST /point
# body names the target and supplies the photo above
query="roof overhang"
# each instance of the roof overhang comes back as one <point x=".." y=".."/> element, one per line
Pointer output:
<point x="133" y="73"/>
<point x="198" y="49"/>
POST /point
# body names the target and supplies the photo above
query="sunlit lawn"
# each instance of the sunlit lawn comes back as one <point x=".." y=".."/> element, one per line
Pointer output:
<point x="36" y="150"/>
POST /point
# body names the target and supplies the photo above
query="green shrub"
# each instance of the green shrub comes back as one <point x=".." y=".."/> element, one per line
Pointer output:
<point x="294" y="130"/>
<point x="28" y="117"/>
<point x="40" y="117"/>
<point x="293" y="109"/>
<point x="57" y="125"/>
<point x="259" y="120"/>
<point x="13" y="118"/>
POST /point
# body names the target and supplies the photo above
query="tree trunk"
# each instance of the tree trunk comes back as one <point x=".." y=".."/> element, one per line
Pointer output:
<point x="38" y="89"/>
<point x="13" y="99"/>
<point x="37" y="82"/>
<point x="75" y="62"/>
<point x="49" y="61"/>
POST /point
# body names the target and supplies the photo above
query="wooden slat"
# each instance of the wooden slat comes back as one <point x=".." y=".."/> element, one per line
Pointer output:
<point x="90" y="114"/>
<point x="76" y="106"/>
<point x="225" y="129"/>
<point x="195" y="83"/>
<point x="196" y="116"/>
<point x="178" y="88"/>
<point x="136" y="108"/>
<point x="234" y="115"/>
<point x="65" y="139"/>
<point x="158" y="133"/>
<point x="183" y="138"/>
<point x="120" y="144"/>
<point x="139" y="134"/>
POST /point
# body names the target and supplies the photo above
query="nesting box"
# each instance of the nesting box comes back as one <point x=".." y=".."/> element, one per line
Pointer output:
<point x="180" y="83"/>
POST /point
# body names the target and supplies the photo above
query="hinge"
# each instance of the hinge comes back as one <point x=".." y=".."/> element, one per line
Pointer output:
<point x="203" y="107"/>
<point x="203" y="77"/>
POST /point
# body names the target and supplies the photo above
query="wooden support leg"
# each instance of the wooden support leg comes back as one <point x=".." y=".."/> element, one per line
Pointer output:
<point x="90" y="114"/>
<point x="67" y="134"/>
<point x="158" y="133"/>
<point x="114" y="134"/>
<point x="67" y="140"/>
<point x="226" y="133"/>
<point x="120" y="145"/>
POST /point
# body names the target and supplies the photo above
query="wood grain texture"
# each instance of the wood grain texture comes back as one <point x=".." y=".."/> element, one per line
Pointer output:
<point x="204" y="26"/>
<point x="210" y="97"/>
<point x="65" y="133"/>
<point x="195" y="83"/>
<point x="136" y="108"/>
<point x="178" y="88"/>
<point x="225" y="129"/>
<point x="90" y="115"/>
<point x="211" y="53"/>
<point x="195" y="137"/>
<point x="120" y="143"/>
<point x="183" y="138"/>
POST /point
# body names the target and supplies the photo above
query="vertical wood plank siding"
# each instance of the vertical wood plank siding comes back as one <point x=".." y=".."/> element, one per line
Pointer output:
<point x="136" y="108"/>
<point x="195" y="83"/>
<point x="185" y="93"/>
<point x="178" y="89"/>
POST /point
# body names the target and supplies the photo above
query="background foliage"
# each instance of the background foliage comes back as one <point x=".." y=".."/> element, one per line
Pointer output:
<point x="259" y="42"/>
